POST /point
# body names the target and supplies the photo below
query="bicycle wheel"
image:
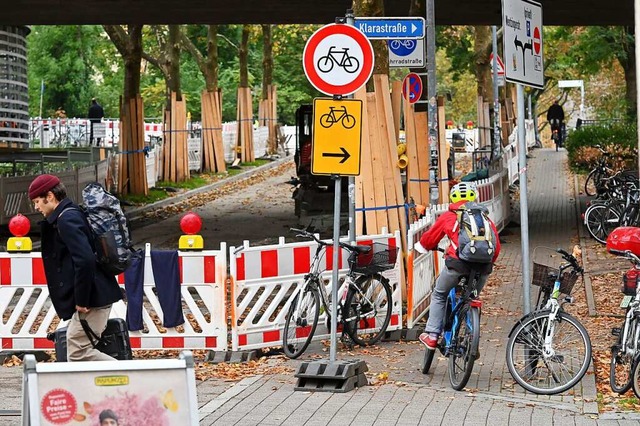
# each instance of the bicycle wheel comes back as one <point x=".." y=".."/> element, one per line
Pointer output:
<point x="594" y="223"/>
<point x="326" y="120"/>
<point x="351" y="64"/>
<point x="301" y="323"/>
<point x="325" y="64"/>
<point x="636" y="377"/>
<point x="348" y="121"/>
<point x="368" y="309"/>
<point x="592" y="182"/>
<point x="465" y="349"/>
<point x="621" y="368"/>
<point x="427" y="360"/>
<point x="548" y="374"/>
<point x="611" y="217"/>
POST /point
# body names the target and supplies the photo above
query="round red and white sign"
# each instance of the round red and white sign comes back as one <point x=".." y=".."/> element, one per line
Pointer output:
<point x="536" y="40"/>
<point x="338" y="59"/>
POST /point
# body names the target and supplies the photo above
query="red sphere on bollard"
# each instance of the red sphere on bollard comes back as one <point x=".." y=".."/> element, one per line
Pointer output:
<point x="190" y="223"/>
<point x="19" y="225"/>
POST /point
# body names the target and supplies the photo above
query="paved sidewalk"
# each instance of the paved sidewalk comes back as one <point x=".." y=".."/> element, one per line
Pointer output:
<point x="408" y="397"/>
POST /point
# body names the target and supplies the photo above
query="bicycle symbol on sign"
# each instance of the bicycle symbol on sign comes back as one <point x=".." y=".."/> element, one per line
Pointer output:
<point x="339" y="57"/>
<point x="329" y="119"/>
<point x="407" y="44"/>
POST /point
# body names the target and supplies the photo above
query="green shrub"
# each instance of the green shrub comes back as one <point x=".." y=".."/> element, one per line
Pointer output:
<point x="621" y="140"/>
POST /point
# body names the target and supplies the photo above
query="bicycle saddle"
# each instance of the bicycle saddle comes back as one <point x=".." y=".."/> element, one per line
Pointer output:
<point x="357" y="249"/>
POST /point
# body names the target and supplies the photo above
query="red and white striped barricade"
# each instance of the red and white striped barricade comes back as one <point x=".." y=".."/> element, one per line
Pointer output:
<point x="24" y="298"/>
<point x="265" y="278"/>
<point x="202" y="286"/>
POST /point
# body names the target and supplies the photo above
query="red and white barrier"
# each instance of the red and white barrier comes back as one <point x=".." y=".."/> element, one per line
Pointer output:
<point x="25" y="297"/>
<point x="265" y="278"/>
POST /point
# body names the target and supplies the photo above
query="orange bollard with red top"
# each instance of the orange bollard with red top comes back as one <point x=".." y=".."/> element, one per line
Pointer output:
<point x="191" y="224"/>
<point x="19" y="226"/>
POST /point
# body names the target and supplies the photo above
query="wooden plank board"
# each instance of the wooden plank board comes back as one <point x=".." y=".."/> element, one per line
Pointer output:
<point x="443" y="149"/>
<point x="386" y="165"/>
<point x="218" y="145"/>
<point x="365" y="221"/>
<point x="422" y="144"/>
<point x="379" y="194"/>
<point x="239" y="106"/>
<point x="413" y="171"/>
<point x="396" y="104"/>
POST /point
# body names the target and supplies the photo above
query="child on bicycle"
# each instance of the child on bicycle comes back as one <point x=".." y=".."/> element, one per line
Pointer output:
<point x="447" y="225"/>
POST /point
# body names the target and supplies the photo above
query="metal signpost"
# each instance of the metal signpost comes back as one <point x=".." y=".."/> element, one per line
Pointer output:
<point x="337" y="60"/>
<point x="523" y="53"/>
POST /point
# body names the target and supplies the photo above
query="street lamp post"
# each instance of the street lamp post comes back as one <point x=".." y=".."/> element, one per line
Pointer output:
<point x="563" y="84"/>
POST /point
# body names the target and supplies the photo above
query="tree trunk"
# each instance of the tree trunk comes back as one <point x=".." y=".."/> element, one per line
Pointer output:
<point x="211" y="76"/>
<point x="132" y="57"/>
<point x="173" y="63"/>
<point x="481" y="51"/>
<point x="628" y="63"/>
<point x="380" y="50"/>
<point x="267" y="60"/>
<point x="243" y="54"/>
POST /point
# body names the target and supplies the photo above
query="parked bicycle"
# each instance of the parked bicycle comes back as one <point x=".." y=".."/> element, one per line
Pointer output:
<point x="625" y="353"/>
<point x="339" y="57"/>
<point x="549" y="350"/>
<point x="365" y="297"/>
<point x="460" y="339"/>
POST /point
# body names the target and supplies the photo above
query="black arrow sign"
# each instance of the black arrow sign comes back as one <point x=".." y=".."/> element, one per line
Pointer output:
<point x="345" y="155"/>
<point x="524" y="48"/>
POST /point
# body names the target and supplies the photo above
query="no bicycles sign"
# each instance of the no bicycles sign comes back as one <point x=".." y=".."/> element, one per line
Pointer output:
<point x="338" y="59"/>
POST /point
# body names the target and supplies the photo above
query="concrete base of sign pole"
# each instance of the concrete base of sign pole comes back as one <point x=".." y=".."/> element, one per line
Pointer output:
<point x="331" y="376"/>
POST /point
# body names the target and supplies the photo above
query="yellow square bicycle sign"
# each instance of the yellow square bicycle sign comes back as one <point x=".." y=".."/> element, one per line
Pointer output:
<point x="337" y="136"/>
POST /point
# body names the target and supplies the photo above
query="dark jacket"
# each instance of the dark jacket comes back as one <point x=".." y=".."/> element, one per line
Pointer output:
<point x="96" y="112"/>
<point x="73" y="276"/>
<point x="556" y="112"/>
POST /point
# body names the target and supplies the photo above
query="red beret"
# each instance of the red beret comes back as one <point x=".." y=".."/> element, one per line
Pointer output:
<point x="41" y="185"/>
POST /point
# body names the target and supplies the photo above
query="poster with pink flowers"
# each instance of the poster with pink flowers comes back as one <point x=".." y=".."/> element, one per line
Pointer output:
<point x="148" y="392"/>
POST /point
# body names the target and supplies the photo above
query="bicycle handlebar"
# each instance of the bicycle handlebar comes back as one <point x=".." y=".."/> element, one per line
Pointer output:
<point x="573" y="262"/>
<point x="307" y="234"/>
<point x="626" y="254"/>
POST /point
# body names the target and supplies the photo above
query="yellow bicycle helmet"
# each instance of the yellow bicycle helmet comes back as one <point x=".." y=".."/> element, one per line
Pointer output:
<point x="463" y="191"/>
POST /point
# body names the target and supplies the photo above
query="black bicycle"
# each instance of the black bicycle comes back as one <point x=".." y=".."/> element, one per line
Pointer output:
<point x="365" y="297"/>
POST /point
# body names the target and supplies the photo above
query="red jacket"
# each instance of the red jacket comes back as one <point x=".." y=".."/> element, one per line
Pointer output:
<point x="444" y="225"/>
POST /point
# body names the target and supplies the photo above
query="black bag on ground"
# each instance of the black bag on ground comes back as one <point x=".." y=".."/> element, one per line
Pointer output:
<point x="114" y="340"/>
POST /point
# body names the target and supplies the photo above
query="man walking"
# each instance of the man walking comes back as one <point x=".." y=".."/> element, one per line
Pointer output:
<point x="95" y="116"/>
<point x="78" y="288"/>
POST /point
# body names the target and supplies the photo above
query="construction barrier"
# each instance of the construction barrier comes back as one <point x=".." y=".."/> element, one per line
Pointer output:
<point x="265" y="278"/>
<point x="24" y="296"/>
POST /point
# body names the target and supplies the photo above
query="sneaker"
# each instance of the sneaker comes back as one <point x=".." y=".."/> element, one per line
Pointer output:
<point x="429" y="340"/>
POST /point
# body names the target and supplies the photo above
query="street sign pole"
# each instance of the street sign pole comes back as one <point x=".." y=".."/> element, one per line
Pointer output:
<point x="352" y="180"/>
<point x="524" y="215"/>
<point x="495" y="152"/>
<point x="334" y="275"/>
<point x="433" y="108"/>
<point x="524" y="65"/>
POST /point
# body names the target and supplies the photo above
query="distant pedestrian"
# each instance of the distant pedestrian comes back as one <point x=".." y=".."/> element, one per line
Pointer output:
<point x="79" y="290"/>
<point x="96" y="113"/>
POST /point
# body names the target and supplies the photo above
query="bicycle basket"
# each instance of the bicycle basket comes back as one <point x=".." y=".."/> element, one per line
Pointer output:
<point x="544" y="276"/>
<point x="381" y="258"/>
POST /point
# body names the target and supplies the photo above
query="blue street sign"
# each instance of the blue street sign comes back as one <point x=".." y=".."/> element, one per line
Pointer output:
<point x="387" y="28"/>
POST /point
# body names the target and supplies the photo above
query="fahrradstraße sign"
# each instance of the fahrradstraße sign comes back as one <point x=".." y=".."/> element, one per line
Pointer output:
<point x="338" y="59"/>
<point x="523" y="47"/>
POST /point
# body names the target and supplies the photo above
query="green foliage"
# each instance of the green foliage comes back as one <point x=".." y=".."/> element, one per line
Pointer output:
<point x="73" y="62"/>
<point x="618" y="139"/>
